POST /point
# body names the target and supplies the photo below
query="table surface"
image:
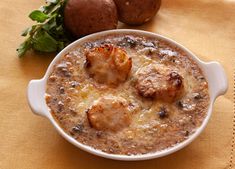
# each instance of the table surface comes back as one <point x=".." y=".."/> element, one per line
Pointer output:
<point x="206" y="27"/>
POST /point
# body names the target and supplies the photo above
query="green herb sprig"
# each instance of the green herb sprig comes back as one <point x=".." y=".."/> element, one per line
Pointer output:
<point x="48" y="34"/>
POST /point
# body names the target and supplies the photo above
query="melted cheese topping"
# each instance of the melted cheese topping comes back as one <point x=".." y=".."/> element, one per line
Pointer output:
<point x="127" y="123"/>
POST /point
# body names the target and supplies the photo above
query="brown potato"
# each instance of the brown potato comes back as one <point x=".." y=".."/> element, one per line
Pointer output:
<point x="83" y="17"/>
<point x="137" y="12"/>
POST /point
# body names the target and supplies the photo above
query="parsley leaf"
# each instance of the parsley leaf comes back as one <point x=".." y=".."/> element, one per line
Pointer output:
<point x="49" y="33"/>
<point x="26" y="45"/>
<point x="38" y="16"/>
<point x="44" y="42"/>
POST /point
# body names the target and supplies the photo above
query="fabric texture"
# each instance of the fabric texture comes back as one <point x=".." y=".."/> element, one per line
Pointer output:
<point x="206" y="27"/>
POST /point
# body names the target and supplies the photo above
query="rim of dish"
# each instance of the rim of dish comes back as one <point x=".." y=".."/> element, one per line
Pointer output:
<point x="147" y="156"/>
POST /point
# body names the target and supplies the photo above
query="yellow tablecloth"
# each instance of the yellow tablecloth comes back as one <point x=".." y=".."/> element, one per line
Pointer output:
<point x="207" y="27"/>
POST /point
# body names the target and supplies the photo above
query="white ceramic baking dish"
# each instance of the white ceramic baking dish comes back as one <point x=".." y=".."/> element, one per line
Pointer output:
<point x="213" y="72"/>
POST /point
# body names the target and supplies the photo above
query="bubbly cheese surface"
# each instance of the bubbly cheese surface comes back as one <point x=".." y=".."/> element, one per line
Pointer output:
<point x="120" y="119"/>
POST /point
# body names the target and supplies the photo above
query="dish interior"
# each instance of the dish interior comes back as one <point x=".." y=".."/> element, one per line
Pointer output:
<point x="155" y="98"/>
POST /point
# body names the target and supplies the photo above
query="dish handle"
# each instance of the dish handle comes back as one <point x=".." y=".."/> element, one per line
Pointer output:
<point x="217" y="79"/>
<point x="36" y="97"/>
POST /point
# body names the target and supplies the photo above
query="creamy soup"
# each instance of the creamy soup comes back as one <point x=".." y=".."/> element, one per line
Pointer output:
<point x="127" y="94"/>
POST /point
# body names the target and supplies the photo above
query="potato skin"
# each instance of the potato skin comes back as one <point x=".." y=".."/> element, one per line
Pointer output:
<point x="83" y="17"/>
<point x="137" y="12"/>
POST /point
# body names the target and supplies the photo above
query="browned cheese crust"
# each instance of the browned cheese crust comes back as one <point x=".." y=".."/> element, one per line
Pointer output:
<point x="127" y="94"/>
